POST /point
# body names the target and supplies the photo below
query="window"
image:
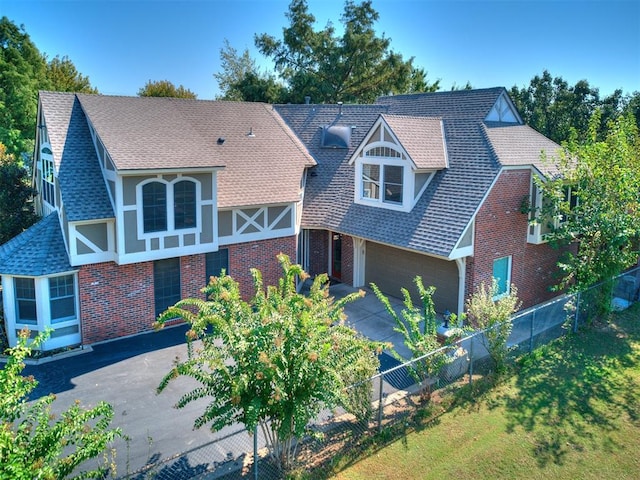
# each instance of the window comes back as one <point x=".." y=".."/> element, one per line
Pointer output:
<point x="166" y="283"/>
<point x="216" y="262"/>
<point x="47" y="176"/>
<point x="393" y="184"/>
<point x="26" y="301"/>
<point x="389" y="176"/>
<point x="62" y="298"/>
<point x="184" y="200"/>
<point x="370" y="181"/>
<point x="502" y="275"/>
<point x="154" y="207"/>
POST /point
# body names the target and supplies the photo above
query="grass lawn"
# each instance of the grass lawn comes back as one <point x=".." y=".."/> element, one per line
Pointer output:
<point x="572" y="411"/>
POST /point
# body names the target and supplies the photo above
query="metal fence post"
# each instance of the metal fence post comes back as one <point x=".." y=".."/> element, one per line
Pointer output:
<point x="255" y="453"/>
<point x="380" y="402"/>
<point x="533" y="321"/>
<point x="471" y="359"/>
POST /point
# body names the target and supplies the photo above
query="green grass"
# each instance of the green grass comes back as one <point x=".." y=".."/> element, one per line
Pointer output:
<point x="571" y="411"/>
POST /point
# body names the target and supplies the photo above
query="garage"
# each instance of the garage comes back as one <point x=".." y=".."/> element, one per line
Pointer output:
<point x="392" y="269"/>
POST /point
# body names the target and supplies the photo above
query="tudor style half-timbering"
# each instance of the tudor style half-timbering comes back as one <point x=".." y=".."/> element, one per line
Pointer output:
<point x="143" y="199"/>
<point x="138" y="195"/>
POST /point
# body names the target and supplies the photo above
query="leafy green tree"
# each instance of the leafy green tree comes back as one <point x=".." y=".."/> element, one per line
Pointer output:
<point x="356" y="67"/>
<point x="164" y="88"/>
<point x="240" y="79"/>
<point x="492" y="313"/>
<point x="16" y="208"/>
<point x="273" y="362"/>
<point x="34" y="443"/>
<point x="63" y="76"/>
<point x="22" y="73"/>
<point x="594" y="204"/>
<point x="555" y="108"/>
<point x="418" y="327"/>
<point x="631" y="106"/>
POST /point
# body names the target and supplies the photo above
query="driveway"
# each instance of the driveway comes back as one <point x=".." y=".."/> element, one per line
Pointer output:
<point x="126" y="372"/>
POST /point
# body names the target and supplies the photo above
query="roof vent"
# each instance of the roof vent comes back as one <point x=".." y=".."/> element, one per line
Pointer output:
<point x="336" y="136"/>
<point x="307" y="99"/>
<point x="220" y="140"/>
<point x="251" y="134"/>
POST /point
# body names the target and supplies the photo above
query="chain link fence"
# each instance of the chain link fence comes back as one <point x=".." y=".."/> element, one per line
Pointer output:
<point x="396" y="395"/>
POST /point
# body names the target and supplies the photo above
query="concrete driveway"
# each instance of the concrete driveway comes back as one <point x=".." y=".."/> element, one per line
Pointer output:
<point x="126" y="372"/>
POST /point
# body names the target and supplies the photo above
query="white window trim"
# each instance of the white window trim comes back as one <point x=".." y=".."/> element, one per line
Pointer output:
<point x="171" y="230"/>
<point x="408" y="180"/>
<point x="43" y="311"/>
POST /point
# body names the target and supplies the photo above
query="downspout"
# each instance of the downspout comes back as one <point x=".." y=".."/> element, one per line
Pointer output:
<point x="462" y="278"/>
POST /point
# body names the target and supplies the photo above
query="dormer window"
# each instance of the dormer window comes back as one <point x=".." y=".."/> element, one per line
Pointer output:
<point x="390" y="175"/>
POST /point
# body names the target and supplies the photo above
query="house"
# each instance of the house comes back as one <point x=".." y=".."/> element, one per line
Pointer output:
<point x="144" y="198"/>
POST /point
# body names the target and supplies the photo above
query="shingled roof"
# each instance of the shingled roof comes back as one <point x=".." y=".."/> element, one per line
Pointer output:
<point x="37" y="251"/>
<point x="81" y="183"/>
<point x="476" y="152"/>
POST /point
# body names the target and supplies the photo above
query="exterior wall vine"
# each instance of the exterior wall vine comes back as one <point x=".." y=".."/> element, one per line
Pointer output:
<point x="500" y="231"/>
<point x="118" y="300"/>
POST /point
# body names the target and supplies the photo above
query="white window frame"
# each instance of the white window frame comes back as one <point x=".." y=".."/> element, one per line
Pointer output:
<point x="170" y="206"/>
<point x="407" y="180"/>
<point x="43" y="312"/>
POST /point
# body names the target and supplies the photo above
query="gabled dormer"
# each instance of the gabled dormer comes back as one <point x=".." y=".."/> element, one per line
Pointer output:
<point x="397" y="159"/>
<point x="504" y="111"/>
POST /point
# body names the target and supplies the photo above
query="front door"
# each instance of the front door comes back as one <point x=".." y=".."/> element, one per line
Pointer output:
<point x="336" y="256"/>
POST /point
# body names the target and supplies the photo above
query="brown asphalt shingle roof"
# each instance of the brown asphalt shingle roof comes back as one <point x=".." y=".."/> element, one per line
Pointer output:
<point x="422" y="138"/>
<point x="149" y="133"/>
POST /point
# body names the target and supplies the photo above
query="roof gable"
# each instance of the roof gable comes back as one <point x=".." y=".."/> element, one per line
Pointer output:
<point x="455" y="104"/>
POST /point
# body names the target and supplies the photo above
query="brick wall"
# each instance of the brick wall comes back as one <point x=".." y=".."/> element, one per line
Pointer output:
<point x="501" y="230"/>
<point x="318" y="252"/>
<point x="118" y="300"/>
<point x="261" y="255"/>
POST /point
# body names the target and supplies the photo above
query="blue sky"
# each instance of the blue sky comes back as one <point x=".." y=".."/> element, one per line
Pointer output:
<point x="120" y="45"/>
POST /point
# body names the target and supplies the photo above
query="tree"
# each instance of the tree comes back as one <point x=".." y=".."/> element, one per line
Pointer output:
<point x="34" y="443"/>
<point x="492" y="314"/>
<point x="16" y="209"/>
<point x="64" y="77"/>
<point x="554" y="108"/>
<point x="241" y="80"/>
<point x="355" y="67"/>
<point x="594" y="204"/>
<point x="418" y="327"/>
<point x="22" y="73"/>
<point x="164" y="88"/>
<point x="273" y="362"/>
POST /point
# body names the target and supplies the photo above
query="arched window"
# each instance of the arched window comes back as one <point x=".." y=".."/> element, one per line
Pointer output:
<point x="154" y="207"/>
<point x="184" y="204"/>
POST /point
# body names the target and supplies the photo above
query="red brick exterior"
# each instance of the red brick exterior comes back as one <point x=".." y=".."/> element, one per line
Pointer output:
<point x="261" y="255"/>
<point x="500" y="231"/>
<point x="319" y="255"/>
<point x="318" y="252"/>
<point x="118" y="300"/>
